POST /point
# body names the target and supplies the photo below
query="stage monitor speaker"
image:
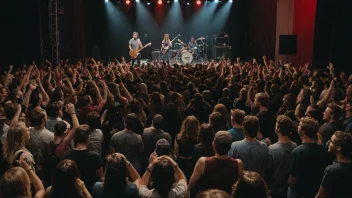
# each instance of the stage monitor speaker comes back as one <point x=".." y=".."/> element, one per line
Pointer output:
<point x="155" y="56"/>
<point x="288" y="44"/>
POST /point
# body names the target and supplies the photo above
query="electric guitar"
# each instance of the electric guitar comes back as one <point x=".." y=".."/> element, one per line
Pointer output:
<point x="134" y="53"/>
<point x="164" y="49"/>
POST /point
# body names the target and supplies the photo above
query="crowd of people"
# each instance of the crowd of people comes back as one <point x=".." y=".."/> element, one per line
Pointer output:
<point x="218" y="129"/>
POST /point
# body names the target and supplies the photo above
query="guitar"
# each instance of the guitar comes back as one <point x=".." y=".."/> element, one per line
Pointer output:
<point x="164" y="49"/>
<point x="134" y="53"/>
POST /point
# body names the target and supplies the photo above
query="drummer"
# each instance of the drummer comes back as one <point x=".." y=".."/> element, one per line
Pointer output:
<point x="192" y="44"/>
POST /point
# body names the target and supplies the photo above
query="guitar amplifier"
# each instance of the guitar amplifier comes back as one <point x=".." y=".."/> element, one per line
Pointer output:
<point x="156" y="55"/>
<point x="221" y="52"/>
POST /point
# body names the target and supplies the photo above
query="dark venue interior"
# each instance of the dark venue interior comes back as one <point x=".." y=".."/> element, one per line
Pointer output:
<point x="251" y="28"/>
<point x="175" y="99"/>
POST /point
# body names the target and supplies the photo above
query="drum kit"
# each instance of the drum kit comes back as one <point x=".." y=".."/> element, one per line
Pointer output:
<point x="183" y="54"/>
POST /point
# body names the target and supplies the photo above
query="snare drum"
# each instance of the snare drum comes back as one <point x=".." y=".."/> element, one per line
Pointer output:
<point x="187" y="57"/>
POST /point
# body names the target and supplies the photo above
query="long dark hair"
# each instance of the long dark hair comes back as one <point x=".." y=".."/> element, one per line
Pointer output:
<point x="115" y="177"/>
<point x="64" y="180"/>
<point x="162" y="177"/>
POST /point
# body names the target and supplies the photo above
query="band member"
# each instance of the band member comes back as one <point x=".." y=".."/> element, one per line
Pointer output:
<point x="192" y="44"/>
<point x="165" y="45"/>
<point x="135" y="43"/>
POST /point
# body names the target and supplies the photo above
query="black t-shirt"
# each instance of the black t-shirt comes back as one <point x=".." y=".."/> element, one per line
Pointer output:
<point x="307" y="164"/>
<point x="337" y="180"/>
<point x="88" y="163"/>
<point x="327" y="130"/>
<point x="227" y="102"/>
<point x="267" y="122"/>
<point x="275" y="103"/>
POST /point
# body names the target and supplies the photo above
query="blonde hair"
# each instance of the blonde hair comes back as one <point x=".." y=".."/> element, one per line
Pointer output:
<point x="166" y="37"/>
<point x="14" y="141"/>
<point x="15" y="183"/>
<point x="190" y="129"/>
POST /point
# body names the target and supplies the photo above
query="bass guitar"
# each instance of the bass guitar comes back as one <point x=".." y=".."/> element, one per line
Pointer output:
<point x="134" y="53"/>
<point x="164" y="49"/>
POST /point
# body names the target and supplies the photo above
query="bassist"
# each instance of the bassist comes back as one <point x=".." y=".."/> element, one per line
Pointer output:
<point x="135" y="43"/>
<point x="165" y="46"/>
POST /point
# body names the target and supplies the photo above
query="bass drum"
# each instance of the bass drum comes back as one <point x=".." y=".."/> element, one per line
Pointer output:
<point x="187" y="57"/>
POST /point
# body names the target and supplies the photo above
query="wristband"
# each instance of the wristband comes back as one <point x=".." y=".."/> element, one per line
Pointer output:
<point x="28" y="170"/>
<point x="148" y="169"/>
<point x="176" y="166"/>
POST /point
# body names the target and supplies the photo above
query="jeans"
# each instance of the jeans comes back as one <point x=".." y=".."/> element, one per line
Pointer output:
<point x="166" y="57"/>
<point x="138" y="59"/>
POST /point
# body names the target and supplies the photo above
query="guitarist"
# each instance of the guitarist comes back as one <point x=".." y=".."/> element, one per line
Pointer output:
<point x="165" y="46"/>
<point x="135" y="43"/>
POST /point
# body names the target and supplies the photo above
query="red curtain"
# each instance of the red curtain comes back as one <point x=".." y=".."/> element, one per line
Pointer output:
<point x="303" y="27"/>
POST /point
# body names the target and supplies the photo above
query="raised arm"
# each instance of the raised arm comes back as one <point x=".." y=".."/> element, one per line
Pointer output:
<point x="97" y="92"/>
<point x="17" y="115"/>
<point x="125" y="92"/>
<point x="327" y="96"/>
<point x="43" y="92"/>
<point x="28" y="94"/>
<point x="70" y="108"/>
<point x="265" y="62"/>
<point x="38" y="185"/>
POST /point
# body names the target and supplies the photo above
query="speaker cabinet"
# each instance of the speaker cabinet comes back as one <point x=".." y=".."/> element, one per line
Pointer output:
<point x="221" y="52"/>
<point x="288" y="44"/>
<point x="155" y="56"/>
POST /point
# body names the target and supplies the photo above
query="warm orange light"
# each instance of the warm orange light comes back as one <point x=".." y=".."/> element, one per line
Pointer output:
<point x="128" y="2"/>
<point x="160" y="2"/>
<point x="198" y="2"/>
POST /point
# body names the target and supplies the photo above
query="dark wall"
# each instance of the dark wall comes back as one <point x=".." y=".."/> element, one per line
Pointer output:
<point x="333" y="34"/>
<point x="19" y="32"/>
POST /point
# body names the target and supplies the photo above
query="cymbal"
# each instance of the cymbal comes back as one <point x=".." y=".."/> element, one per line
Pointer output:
<point x="201" y="38"/>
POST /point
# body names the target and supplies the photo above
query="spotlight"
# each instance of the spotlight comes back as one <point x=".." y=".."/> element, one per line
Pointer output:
<point x="198" y="2"/>
<point x="128" y="2"/>
<point x="148" y="3"/>
<point x="216" y="1"/>
<point x="137" y="0"/>
<point x="175" y="0"/>
<point x="160" y="2"/>
<point x="106" y="1"/>
<point x="168" y="2"/>
<point x="230" y="1"/>
<point x="187" y="3"/>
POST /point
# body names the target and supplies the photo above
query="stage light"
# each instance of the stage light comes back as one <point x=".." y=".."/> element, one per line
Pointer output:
<point x="230" y="1"/>
<point x="198" y="2"/>
<point x="148" y="3"/>
<point x="160" y="2"/>
<point x="106" y="1"/>
<point x="216" y="1"/>
<point x="168" y="2"/>
<point x="187" y="3"/>
<point x="128" y="2"/>
<point x="175" y="0"/>
<point x="137" y="0"/>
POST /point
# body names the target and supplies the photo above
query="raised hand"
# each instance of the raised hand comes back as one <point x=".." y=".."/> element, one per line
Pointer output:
<point x="80" y="185"/>
<point x="70" y="108"/>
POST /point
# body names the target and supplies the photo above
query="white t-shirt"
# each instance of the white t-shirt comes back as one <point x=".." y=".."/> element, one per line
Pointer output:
<point x="178" y="191"/>
<point x="5" y="130"/>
